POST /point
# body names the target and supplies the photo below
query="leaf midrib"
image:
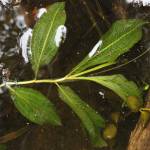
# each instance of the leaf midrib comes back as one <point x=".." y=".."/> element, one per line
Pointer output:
<point x="44" y="45"/>
<point x="121" y="37"/>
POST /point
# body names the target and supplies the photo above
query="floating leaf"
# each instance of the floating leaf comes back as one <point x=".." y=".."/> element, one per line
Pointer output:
<point x="43" y="45"/>
<point x="89" y="117"/>
<point x="34" y="106"/>
<point x="119" y="84"/>
<point x="119" y="39"/>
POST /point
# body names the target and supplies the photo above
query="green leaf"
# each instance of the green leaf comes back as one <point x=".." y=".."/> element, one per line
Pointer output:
<point x="119" y="84"/>
<point x="89" y="117"/>
<point x="34" y="106"/>
<point x="43" y="44"/>
<point x="119" y="39"/>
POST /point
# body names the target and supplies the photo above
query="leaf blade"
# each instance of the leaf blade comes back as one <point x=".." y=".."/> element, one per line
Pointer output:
<point x="90" y="119"/>
<point x="118" y="84"/>
<point x="34" y="106"/>
<point x="43" y="45"/>
<point x="116" y="41"/>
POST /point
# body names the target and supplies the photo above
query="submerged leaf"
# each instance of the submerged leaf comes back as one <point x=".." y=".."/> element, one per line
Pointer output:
<point x="119" y="84"/>
<point x="119" y="39"/>
<point x="13" y="135"/>
<point x="34" y="106"/>
<point x="43" y="45"/>
<point x="89" y="117"/>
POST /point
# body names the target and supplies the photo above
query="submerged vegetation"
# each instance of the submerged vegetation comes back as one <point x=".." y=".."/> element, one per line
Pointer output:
<point x="49" y="34"/>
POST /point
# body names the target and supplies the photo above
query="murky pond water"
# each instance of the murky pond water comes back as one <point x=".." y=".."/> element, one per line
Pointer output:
<point x="86" y="21"/>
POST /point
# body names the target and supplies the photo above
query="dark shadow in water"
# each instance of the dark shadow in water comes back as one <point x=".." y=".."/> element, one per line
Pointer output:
<point x="87" y="20"/>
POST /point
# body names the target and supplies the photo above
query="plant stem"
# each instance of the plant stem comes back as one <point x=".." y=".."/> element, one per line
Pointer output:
<point x="66" y="78"/>
<point x="33" y="82"/>
<point x="90" y="70"/>
<point x="41" y="81"/>
<point x="2" y="85"/>
<point x="94" y="69"/>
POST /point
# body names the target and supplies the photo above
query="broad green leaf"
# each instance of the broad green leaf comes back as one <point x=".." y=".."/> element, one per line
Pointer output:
<point x="34" y="106"/>
<point x="119" y="84"/>
<point x="119" y="39"/>
<point x="43" y="44"/>
<point x="89" y="117"/>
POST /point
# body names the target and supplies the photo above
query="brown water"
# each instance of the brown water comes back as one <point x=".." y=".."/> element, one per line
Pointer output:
<point x="85" y="26"/>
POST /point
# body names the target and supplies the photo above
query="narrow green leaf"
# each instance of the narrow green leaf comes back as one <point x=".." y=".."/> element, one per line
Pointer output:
<point x="119" y="39"/>
<point x="43" y="44"/>
<point x="119" y="84"/>
<point x="89" y="117"/>
<point x="34" y="106"/>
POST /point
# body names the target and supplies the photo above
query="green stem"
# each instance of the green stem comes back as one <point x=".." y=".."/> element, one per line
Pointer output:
<point x="41" y="81"/>
<point x="33" y="82"/>
<point x="91" y="70"/>
<point x="2" y="85"/>
<point x="77" y="78"/>
<point x="66" y="78"/>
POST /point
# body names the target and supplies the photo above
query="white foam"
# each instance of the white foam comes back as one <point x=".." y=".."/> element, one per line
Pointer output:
<point x="143" y="2"/>
<point x="5" y="2"/>
<point x="25" y="44"/>
<point x="95" y="48"/>
<point x="102" y="94"/>
<point x="20" y="21"/>
<point x="41" y="11"/>
<point x="2" y="18"/>
<point x="60" y="36"/>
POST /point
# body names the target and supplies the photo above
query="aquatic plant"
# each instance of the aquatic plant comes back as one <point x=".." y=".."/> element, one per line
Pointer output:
<point x="49" y="34"/>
